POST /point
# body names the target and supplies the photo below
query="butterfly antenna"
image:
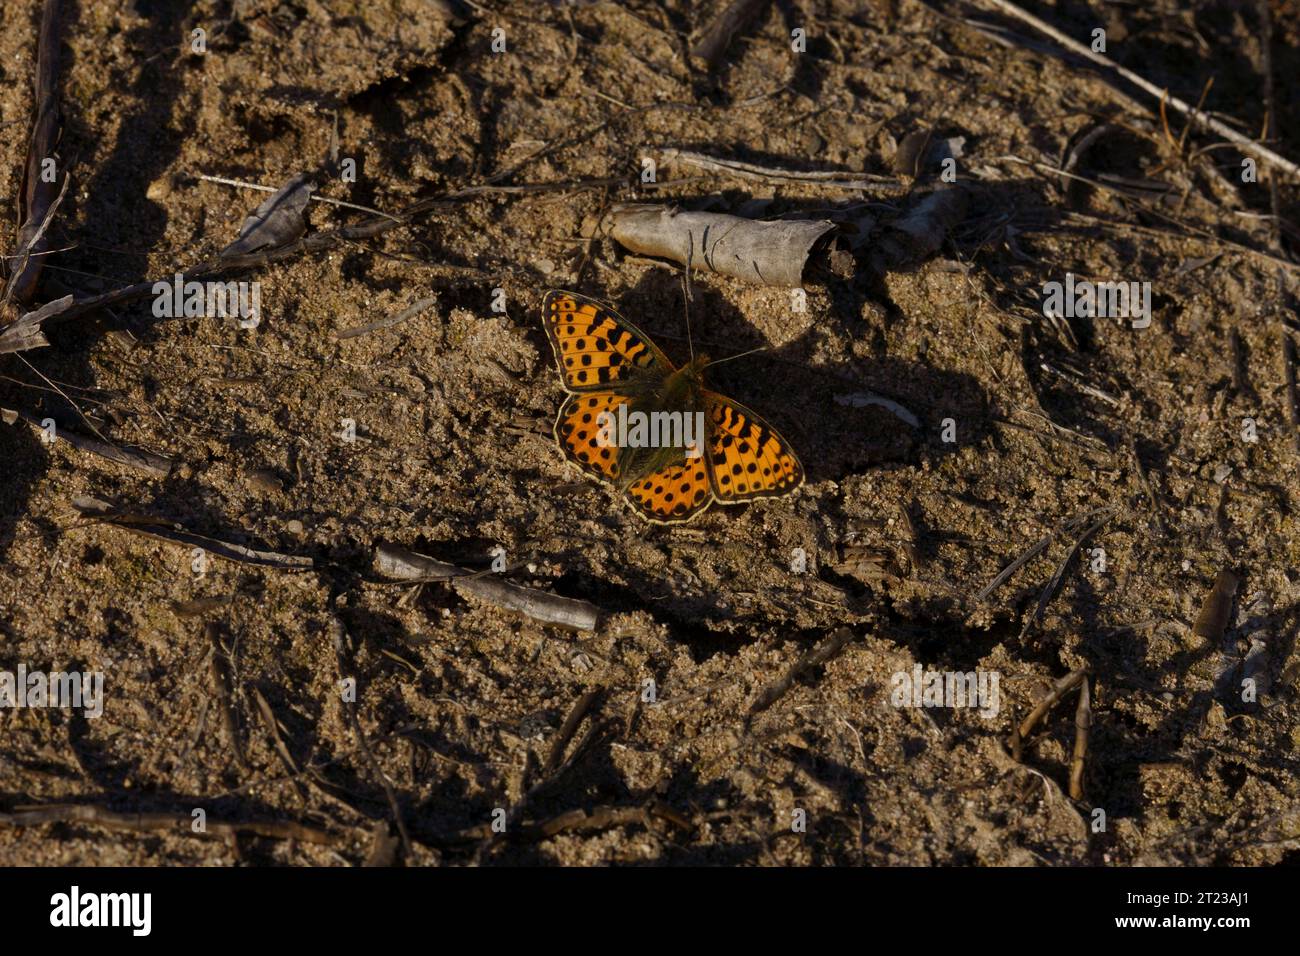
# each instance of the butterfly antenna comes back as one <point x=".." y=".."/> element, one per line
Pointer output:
<point x="686" y="292"/>
<point x="761" y="348"/>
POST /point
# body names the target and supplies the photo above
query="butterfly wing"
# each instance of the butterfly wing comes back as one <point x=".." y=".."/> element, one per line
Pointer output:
<point x="748" y="458"/>
<point x="676" y="493"/>
<point x="578" y="427"/>
<point x="594" y="346"/>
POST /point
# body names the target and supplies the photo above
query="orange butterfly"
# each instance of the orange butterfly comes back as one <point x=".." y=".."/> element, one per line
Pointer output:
<point x="652" y="429"/>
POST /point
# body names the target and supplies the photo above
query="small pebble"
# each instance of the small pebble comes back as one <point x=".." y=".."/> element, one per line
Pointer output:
<point x="159" y="189"/>
<point x="265" y="480"/>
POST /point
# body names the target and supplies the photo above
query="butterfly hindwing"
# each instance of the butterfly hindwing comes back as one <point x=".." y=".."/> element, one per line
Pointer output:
<point x="577" y="429"/>
<point x="596" y="348"/>
<point x="677" y="492"/>
<point x="748" y="458"/>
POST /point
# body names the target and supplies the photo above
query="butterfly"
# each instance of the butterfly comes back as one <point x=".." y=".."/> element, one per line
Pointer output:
<point x="651" y="429"/>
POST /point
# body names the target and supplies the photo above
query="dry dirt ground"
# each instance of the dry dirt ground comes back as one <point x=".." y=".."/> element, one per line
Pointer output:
<point x="1065" y="427"/>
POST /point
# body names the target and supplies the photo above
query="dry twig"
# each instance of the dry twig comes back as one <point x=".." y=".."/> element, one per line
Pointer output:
<point x="148" y="462"/>
<point x="219" y="676"/>
<point x="180" y="824"/>
<point x="39" y="196"/>
<point x="1245" y="143"/>
<point x="823" y="652"/>
<point x="158" y="528"/>
<point x="773" y="174"/>
<point x="398" y="563"/>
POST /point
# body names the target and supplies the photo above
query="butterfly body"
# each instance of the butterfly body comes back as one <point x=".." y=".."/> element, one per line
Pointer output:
<point x="682" y="393"/>
<point x="651" y="429"/>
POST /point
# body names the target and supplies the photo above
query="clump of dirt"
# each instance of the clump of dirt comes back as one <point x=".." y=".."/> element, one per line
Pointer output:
<point x="352" y="701"/>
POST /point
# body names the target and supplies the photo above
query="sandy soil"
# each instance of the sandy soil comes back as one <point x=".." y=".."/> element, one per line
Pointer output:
<point x="460" y="704"/>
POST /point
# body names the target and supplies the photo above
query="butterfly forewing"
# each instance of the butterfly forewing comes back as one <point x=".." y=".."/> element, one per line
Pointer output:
<point x="747" y="457"/>
<point x="675" y="493"/>
<point x="594" y="346"/>
<point x="577" y="429"/>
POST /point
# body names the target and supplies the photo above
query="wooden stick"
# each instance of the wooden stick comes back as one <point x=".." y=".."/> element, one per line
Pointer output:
<point x="601" y="818"/>
<point x="383" y="846"/>
<point x="1196" y="231"/>
<point x="552" y="771"/>
<point x="25" y="332"/>
<point x="1016" y="740"/>
<point x="398" y="563"/>
<point x="1292" y="396"/>
<point x="273" y="728"/>
<point x="919" y="232"/>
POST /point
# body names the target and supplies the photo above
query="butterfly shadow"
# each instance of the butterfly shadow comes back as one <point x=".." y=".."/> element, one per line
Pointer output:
<point x="842" y="416"/>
